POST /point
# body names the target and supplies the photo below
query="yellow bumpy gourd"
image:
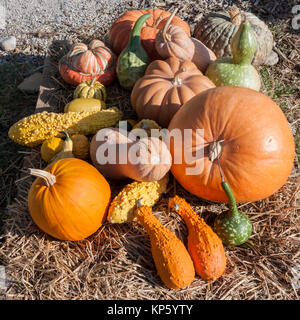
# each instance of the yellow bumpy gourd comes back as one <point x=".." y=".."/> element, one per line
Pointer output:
<point x="123" y="206"/>
<point x="33" y="130"/>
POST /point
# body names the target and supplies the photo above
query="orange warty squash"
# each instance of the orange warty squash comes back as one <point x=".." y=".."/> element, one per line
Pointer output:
<point x="247" y="131"/>
<point x="84" y="63"/>
<point x="172" y="260"/>
<point x="165" y="87"/>
<point x="121" y="28"/>
<point x="205" y="247"/>
<point x="69" y="199"/>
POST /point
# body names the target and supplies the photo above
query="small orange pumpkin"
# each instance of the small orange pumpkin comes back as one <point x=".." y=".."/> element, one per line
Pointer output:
<point x="165" y="87"/>
<point x="84" y="63"/>
<point x="69" y="199"/>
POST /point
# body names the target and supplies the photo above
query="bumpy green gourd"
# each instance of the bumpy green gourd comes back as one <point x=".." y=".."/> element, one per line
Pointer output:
<point x="232" y="226"/>
<point x="237" y="70"/>
<point x="133" y="60"/>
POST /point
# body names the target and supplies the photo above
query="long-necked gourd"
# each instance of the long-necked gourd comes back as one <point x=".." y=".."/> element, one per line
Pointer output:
<point x="237" y="70"/>
<point x="232" y="226"/>
<point x="133" y="60"/>
<point x="204" y="246"/>
<point x="67" y="149"/>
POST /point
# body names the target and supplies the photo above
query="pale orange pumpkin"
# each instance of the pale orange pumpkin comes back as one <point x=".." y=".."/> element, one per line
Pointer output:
<point x="249" y="134"/>
<point x="84" y="63"/>
<point x="69" y="199"/>
<point x="172" y="41"/>
<point x="165" y="87"/>
<point x="140" y="158"/>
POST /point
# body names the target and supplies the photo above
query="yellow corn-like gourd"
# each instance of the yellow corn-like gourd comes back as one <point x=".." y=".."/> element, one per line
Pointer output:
<point x="33" y="130"/>
<point x="123" y="206"/>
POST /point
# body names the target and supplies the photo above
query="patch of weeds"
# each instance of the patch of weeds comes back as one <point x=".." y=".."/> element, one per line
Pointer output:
<point x="274" y="86"/>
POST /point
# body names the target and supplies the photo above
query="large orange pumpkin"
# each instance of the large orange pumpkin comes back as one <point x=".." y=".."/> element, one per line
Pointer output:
<point x="84" y="63"/>
<point x="69" y="199"/>
<point x="165" y="87"/>
<point x="247" y="131"/>
<point x="120" y="30"/>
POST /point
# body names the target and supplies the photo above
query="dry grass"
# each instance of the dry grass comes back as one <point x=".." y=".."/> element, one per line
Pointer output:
<point x="116" y="262"/>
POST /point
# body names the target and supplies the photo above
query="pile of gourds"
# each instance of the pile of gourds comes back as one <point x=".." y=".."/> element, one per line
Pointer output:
<point x="176" y="82"/>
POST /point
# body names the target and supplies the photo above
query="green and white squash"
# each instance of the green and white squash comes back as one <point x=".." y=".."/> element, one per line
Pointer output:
<point x="90" y="89"/>
<point x="237" y="70"/>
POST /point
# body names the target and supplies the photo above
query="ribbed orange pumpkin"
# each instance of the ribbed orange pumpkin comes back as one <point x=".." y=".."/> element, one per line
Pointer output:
<point x="165" y="87"/>
<point x="69" y="199"/>
<point x="121" y="28"/>
<point x="247" y="131"/>
<point x="83" y="63"/>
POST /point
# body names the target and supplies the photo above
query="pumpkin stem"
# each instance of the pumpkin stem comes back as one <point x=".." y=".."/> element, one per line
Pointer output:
<point x="48" y="177"/>
<point x="66" y="135"/>
<point x="92" y="82"/>
<point x="177" y="80"/>
<point x="235" y="15"/>
<point x="227" y="190"/>
<point x="157" y="22"/>
<point x="166" y="37"/>
<point x="215" y="149"/>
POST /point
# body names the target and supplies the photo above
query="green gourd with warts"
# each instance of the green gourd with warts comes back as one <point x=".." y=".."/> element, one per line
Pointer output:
<point x="133" y="60"/>
<point x="232" y="226"/>
<point x="237" y="70"/>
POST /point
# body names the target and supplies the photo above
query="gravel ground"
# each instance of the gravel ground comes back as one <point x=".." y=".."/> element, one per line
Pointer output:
<point x="37" y="22"/>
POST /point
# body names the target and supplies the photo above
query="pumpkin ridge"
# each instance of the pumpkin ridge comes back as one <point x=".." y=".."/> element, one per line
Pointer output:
<point x="209" y="34"/>
<point x="42" y="195"/>
<point x="56" y="198"/>
<point x="155" y="93"/>
<point x="227" y="35"/>
<point x="138" y="105"/>
<point x="82" y="207"/>
<point x="221" y="35"/>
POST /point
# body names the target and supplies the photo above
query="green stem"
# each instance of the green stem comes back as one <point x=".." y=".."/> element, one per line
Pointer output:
<point x="231" y="198"/>
<point x="135" y="35"/>
<point x="66" y="134"/>
<point x="232" y="203"/>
